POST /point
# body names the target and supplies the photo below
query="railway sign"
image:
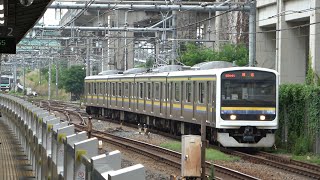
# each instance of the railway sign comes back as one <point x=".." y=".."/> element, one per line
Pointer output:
<point x="7" y="45"/>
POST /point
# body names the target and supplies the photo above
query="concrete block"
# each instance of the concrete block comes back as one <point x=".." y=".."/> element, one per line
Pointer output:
<point x="69" y="156"/>
<point x="84" y="150"/>
<point x="107" y="162"/>
<point x="136" y="172"/>
<point x="62" y="133"/>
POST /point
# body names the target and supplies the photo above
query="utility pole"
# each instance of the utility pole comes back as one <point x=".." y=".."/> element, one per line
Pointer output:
<point x="203" y="148"/>
<point x="88" y="58"/>
<point x="252" y="33"/>
<point x="24" y="78"/>
<point x="57" y="76"/>
<point x="49" y="83"/>
<point x="174" y="37"/>
<point x="15" y="75"/>
<point x="39" y="67"/>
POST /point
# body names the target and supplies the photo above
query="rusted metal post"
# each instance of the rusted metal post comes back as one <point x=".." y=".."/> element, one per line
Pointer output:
<point x="203" y="149"/>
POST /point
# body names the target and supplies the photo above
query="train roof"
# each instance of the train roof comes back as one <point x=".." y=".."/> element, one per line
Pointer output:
<point x="179" y="73"/>
<point x="215" y="71"/>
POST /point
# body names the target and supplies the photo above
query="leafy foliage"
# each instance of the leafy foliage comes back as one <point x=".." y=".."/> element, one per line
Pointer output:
<point x="73" y="80"/>
<point x="310" y="73"/>
<point x="299" y="112"/>
<point x="194" y="54"/>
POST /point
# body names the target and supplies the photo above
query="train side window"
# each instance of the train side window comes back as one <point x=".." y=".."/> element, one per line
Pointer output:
<point x="89" y="88"/>
<point x="188" y="92"/>
<point x="141" y="90"/>
<point x="164" y="91"/>
<point x="119" y="89"/>
<point x="148" y="90"/>
<point x="177" y="91"/>
<point x="157" y="91"/>
<point x="106" y="88"/>
<point x="94" y="88"/>
<point x="101" y="88"/>
<point x="126" y="90"/>
<point x="113" y="89"/>
<point x="201" y="92"/>
<point x="132" y="90"/>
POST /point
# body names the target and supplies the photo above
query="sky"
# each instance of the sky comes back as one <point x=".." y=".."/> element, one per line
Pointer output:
<point x="52" y="17"/>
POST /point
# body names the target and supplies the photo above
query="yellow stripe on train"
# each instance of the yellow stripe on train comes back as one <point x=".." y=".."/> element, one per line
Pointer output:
<point x="249" y="108"/>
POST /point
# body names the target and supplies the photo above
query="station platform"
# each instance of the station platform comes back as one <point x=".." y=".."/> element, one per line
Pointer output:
<point x="14" y="164"/>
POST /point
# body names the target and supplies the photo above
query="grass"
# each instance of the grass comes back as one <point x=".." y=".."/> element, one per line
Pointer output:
<point x="211" y="154"/>
<point x="32" y="81"/>
<point x="310" y="158"/>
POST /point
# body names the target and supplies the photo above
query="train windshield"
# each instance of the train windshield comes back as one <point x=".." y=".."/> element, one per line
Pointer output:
<point x="248" y="93"/>
<point x="4" y="80"/>
<point x="248" y="88"/>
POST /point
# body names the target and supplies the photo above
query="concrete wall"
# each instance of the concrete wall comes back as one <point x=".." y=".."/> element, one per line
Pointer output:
<point x="287" y="49"/>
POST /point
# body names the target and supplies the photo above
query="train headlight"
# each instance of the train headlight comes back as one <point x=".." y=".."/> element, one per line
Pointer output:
<point x="233" y="117"/>
<point x="262" y="117"/>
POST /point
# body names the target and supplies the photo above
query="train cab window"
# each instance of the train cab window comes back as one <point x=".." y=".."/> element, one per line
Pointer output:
<point x="201" y="92"/>
<point x="141" y="90"/>
<point x="177" y="91"/>
<point x="119" y="89"/>
<point x="157" y="91"/>
<point x="126" y="90"/>
<point x="188" y="92"/>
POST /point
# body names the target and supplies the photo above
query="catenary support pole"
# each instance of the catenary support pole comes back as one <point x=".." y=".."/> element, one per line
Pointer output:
<point x="49" y="81"/>
<point x="203" y="149"/>
<point x="252" y="34"/>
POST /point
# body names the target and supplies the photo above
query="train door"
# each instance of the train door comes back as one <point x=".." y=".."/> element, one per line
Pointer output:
<point x="140" y="104"/>
<point x="148" y="98"/>
<point x="132" y="96"/>
<point x="109" y="94"/>
<point x="169" y="100"/>
<point x="164" y="99"/>
<point x="101" y="93"/>
<point x="113" y="95"/>
<point x="187" y="101"/>
<point x="176" y="100"/>
<point x="157" y="108"/>
<point x="95" y="93"/>
<point x="105" y="94"/>
<point x="119" y="97"/>
<point x="194" y="93"/>
<point x="201" y="101"/>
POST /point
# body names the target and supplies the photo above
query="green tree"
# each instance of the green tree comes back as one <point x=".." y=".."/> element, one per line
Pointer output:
<point x="194" y="54"/>
<point x="73" y="80"/>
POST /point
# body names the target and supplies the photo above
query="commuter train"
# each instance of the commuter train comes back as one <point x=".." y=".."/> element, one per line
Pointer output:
<point x="239" y="104"/>
<point x="6" y="83"/>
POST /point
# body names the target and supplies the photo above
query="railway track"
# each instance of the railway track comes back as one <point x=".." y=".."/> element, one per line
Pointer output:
<point x="166" y="156"/>
<point x="298" y="167"/>
<point x="157" y="153"/>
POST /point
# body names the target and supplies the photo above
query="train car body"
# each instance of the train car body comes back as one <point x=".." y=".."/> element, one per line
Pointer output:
<point x="239" y="104"/>
<point x="6" y="83"/>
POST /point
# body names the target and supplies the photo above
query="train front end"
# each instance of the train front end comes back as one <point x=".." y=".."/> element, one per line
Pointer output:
<point x="247" y="106"/>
